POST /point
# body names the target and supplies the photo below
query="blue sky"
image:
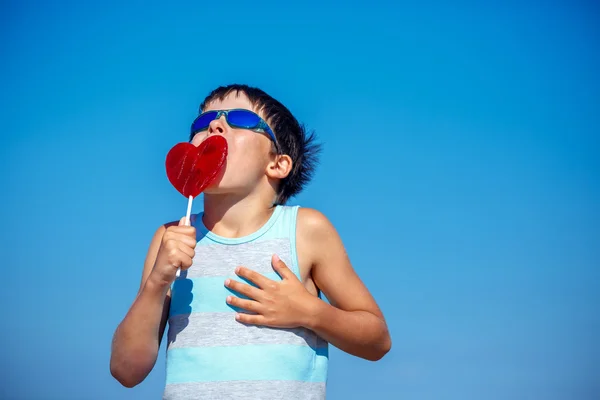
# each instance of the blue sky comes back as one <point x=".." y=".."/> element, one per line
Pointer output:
<point x="460" y="167"/>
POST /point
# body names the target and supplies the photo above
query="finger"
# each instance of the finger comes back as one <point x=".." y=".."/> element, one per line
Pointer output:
<point x="189" y="231"/>
<point x="181" y="238"/>
<point x="184" y="230"/>
<point x="181" y="260"/>
<point x="282" y="269"/>
<point x="245" y="289"/>
<point x="186" y="262"/>
<point x="182" y="221"/>
<point x="185" y="249"/>
<point x="187" y="240"/>
<point x="254" y="277"/>
<point x="248" y="305"/>
<point x="178" y="255"/>
<point x="251" y="319"/>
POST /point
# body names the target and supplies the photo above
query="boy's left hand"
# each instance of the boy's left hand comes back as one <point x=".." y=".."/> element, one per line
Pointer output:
<point x="283" y="304"/>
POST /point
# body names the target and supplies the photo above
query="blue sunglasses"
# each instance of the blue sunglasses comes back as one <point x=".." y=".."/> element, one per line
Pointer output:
<point x="236" y="118"/>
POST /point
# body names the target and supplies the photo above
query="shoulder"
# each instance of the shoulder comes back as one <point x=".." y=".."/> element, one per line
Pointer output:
<point x="311" y="219"/>
<point x="320" y="243"/>
<point x="314" y="237"/>
<point x="313" y="225"/>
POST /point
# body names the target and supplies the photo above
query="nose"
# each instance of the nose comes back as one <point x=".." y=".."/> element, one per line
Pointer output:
<point x="217" y="126"/>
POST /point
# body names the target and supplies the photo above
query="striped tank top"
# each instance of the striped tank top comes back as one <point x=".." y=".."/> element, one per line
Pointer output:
<point x="212" y="356"/>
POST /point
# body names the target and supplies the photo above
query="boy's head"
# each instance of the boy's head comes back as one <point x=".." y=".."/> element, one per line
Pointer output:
<point x="287" y="158"/>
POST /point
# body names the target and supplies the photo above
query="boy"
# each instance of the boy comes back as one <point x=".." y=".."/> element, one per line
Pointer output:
<point x="245" y="316"/>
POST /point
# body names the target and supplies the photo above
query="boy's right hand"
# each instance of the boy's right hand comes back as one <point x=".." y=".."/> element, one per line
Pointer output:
<point x="176" y="251"/>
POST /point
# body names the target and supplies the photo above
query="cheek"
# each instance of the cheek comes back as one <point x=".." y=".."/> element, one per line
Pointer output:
<point x="240" y="146"/>
<point x="245" y="155"/>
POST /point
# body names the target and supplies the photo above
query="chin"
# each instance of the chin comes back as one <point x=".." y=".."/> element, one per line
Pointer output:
<point x="214" y="189"/>
<point x="219" y="187"/>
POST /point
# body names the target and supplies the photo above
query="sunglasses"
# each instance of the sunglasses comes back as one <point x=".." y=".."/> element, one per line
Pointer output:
<point x="236" y="118"/>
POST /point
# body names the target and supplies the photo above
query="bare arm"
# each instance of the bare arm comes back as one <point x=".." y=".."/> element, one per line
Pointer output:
<point x="137" y="338"/>
<point x="353" y="322"/>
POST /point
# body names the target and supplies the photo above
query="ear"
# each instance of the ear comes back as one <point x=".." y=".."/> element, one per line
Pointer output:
<point x="280" y="167"/>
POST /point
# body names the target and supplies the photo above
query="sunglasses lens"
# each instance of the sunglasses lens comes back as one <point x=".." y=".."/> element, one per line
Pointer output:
<point x="202" y="122"/>
<point x="243" y="119"/>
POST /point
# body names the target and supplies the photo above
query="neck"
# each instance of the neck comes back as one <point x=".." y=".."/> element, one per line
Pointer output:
<point x="234" y="216"/>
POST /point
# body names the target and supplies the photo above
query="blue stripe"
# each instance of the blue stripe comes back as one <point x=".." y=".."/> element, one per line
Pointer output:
<point x="259" y="362"/>
<point x="206" y="294"/>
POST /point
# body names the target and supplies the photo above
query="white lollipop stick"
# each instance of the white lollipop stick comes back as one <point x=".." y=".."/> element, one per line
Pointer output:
<point x="189" y="211"/>
<point x="186" y="223"/>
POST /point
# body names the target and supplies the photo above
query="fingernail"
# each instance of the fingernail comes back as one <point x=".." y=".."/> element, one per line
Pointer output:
<point x="237" y="270"/>
<point x="229" y="299"/>
<point x="227" y="282"/>
<point x="276" y="258"/>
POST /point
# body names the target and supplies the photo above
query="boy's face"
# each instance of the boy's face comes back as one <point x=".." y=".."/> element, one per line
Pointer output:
<point x="249" y="152"/>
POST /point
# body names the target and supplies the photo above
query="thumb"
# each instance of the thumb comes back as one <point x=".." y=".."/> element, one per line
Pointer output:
<point x="182" y="221"/>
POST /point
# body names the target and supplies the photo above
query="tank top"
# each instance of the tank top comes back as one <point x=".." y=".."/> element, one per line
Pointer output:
<point x="212" y="356"/>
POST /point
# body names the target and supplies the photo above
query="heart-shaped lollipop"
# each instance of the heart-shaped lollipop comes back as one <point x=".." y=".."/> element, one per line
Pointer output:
<point x="192" y="169"/>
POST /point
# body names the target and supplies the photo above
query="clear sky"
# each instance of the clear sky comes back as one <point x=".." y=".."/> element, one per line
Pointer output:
<point x="460" y="167"/>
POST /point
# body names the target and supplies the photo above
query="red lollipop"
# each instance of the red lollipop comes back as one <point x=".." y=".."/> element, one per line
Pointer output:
<point x="192" y="169"/>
